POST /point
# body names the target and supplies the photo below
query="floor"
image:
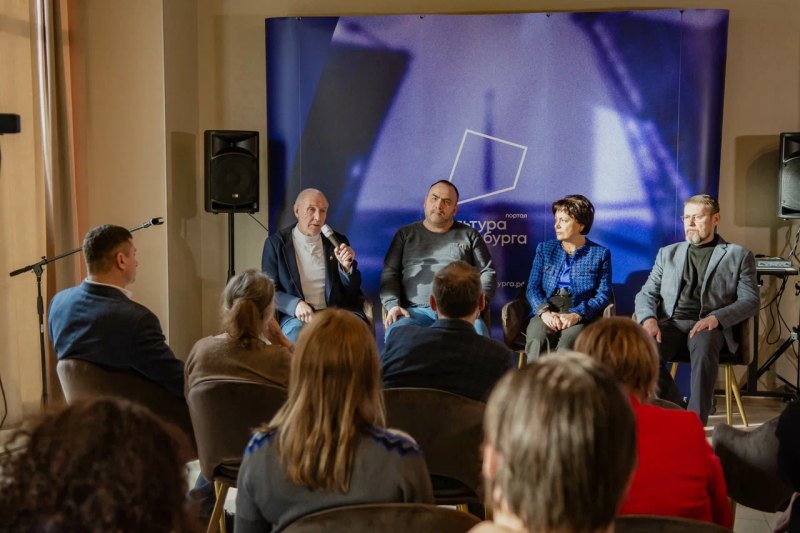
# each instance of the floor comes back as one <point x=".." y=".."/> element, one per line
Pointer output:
<point x="758" y="410"/>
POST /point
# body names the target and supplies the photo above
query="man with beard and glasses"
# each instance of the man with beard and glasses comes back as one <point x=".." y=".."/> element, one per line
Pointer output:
<point x="697" y="291"/>
<point x="420" y="250"/>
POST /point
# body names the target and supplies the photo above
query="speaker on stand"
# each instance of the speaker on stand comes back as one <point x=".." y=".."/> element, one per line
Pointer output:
<point x="789" y="176"/>
<point x="231" y="177"/>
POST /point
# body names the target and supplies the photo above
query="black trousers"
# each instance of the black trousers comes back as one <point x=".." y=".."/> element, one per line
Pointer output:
<point x="703" y="349"/>
<point x="540" y="338"/>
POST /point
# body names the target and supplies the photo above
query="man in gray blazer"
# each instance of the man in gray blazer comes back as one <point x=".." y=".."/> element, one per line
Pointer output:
<point x="697" y="291"/>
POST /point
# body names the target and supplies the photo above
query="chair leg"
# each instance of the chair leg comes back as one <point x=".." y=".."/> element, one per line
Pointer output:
<point x="735" y="389"/>
<point x="673" y="370"/>
<point x="462" y="507"/>
<point x="728" y="400"/>
<point x="523" y="358"/>
<point x="218" y="516"/>
<point x="733" y="508"/>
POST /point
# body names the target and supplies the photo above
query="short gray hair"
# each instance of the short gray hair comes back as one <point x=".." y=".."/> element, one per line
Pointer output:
<point x="565" y="438"/>
<point x="703" y="199"/>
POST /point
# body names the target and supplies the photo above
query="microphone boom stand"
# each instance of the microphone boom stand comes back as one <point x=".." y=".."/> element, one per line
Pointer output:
<point x="38" y="269"/>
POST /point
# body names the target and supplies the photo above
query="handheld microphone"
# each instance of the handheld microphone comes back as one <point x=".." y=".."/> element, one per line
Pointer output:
<point x="331" y="236"/>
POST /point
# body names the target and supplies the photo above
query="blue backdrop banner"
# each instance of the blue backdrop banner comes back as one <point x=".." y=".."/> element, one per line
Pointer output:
<point x="516" y="110"/>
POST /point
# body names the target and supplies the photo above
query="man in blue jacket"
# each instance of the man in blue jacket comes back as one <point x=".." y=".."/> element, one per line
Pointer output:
<point x="449" y="355"/>
<point x="98" y="322"/>
<point x="308" y="272"/>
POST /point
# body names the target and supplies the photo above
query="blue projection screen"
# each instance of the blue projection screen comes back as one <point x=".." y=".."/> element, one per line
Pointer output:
<point x="516" y="110"/>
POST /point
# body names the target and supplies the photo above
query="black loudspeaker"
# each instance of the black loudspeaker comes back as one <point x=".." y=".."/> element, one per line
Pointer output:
<point x="789" y="176"/>
<point x="231" y="176"/>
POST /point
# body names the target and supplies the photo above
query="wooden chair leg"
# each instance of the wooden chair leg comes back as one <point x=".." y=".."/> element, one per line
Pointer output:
<point x="735" y="389"/>
<point x="673" y="370"/>
<point x="728" y="399"/>
<point x="462" y="507"/>
<point x="218" y="516"/>
<point x="523" y="358"/>
<point x="733" y="508"/>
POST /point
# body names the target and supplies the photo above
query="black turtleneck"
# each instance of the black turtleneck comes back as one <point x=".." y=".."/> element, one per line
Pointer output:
<point x="694" y="272"/>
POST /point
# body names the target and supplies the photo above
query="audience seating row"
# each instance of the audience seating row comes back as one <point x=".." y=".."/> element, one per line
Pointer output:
<point x="222" y="429"/>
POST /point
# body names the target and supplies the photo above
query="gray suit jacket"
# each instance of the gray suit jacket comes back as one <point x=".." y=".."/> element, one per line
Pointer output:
<point x="729" y="291"/>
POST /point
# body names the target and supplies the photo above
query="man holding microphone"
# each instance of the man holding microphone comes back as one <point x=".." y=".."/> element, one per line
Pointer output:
<point x="309" y="273"/>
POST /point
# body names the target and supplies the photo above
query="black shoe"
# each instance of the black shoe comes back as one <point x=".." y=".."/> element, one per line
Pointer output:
<point x="229" y="519"/>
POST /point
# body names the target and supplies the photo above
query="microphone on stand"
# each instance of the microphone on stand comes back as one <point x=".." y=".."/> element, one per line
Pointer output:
<point x="330" y="235"/>
<point x="152" y="222"/>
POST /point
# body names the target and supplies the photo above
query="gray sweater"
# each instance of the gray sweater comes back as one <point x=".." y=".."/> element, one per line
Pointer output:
<point x="388" y="467"/>
<point x="417" y="254"/>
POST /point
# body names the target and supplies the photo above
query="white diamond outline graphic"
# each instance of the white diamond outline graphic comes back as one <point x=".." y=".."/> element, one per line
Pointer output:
<point x="479" y="134"/>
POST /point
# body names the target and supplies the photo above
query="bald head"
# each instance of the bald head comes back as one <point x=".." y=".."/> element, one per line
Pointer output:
<point x="307" y="194"/>
<point x="310" y="208"/>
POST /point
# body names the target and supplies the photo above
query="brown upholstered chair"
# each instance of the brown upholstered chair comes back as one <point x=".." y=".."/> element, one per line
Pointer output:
<point x="515" y="319"/>
<point x="664" y="404"/>
<point x="81" y="378"/>
<point x="486" y="316"/>
<point x="663" y="524"/>
<point x="224" y="414"/>
<point x="750" y="464"/>
<point x="369" y="311"/>
<point x="385" y="518"/>
<point x="743" y="332"/>
<point x="449" y="430"/>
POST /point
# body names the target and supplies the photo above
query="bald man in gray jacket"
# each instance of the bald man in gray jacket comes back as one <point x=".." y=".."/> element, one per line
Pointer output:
<point x="697" y="291"/>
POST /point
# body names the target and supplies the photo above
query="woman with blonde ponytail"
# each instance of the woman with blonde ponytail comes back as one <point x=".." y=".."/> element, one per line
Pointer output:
<point x="240" y="351"/>
<point x="327" y="446"/>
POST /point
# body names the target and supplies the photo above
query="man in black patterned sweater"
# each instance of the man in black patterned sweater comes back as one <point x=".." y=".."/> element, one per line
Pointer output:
<point x="419" y="250"/>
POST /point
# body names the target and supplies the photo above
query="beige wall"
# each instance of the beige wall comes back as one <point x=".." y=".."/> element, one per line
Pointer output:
<point x="125" y="143"/>
<point x="22" y="223"/>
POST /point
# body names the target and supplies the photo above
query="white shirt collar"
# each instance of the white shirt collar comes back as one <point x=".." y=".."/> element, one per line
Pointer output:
<point x="305" y="239"/>
<point x="126" y="292"/>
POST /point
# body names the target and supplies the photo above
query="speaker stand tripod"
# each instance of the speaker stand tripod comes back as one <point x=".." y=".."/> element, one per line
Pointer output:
<point x="231" y="270"/>
<point x="794" y="337"/>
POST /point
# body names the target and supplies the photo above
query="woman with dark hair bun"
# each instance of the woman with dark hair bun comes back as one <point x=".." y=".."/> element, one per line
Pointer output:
<point x="240" y="352"/>
<point x="96" y="466"/>
<point x="570" y="281"/>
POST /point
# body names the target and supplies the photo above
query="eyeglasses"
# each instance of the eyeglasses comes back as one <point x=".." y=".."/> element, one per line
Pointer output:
<point x="693" y="218"/>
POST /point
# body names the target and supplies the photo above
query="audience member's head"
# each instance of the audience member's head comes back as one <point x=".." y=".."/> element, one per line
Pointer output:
<point x="560" y="446"/>
<point x="334" y="393"/>
<point x="110" y="254"/>
<point x="248" y="303"/>
<point x="457" y="292"/>
<point x="95" y="466"/>
<point x="626" y="349"/>
<point x="578" y="208"/>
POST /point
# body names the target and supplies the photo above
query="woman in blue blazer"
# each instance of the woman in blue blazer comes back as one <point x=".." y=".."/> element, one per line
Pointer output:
<point x="570" y="282"/>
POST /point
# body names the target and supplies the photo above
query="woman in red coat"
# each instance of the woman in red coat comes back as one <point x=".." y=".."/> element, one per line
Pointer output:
<point x="678" y="473"/>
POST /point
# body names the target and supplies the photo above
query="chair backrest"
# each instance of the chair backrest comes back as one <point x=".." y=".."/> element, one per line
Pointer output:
<point x="664" y="524"/>
<point x="750" y="463"/>
<point x="665" y="404"/>
<point x="224" y="414"/>
<point x="447" y="427"/>
<point x="369" y="311"/>
<point x="386" y="518"/>
<point x="83" y="379"/>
